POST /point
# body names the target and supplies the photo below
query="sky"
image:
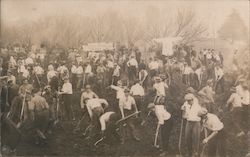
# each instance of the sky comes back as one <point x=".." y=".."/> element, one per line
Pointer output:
<point x="212" y="12"/>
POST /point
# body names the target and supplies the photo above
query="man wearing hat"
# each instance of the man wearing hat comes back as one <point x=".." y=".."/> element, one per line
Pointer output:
<point x="128" y="106"/>
<point x="235" y="106"/>
<point x="216" y="140"/>
<point x="160" y="88"/>
<point x="119" y="92"/>
<point x="192" y="130"/>
<point x="165" y="123"/>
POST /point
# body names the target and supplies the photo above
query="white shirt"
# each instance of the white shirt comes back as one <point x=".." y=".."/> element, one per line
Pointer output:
<point x="26" y="73"/>
<point x="105" y="118"/>
<point x="110" y="64"/>
<point x="160" y="88"/>
<point x="94" y="103"/>
<point x="79" y="70"/>
<point x="137" y="89"/>
<point x="51" y="74"/>
<point x="212" y="122"/>
<point x="244" y="94"/>
<point x="127" y="102"/>
<point x="88" y="69"/>
<point x="192" y="111"/>
<point x="29" y="60"/>
<point x="73" y="69"/>
<point x="61" y="69"/>
<point x="67" y="87"/>
<point x="119" y="91"/>
<point x="188" y="70"/>
<point x="116" y="71"/>
<point x="218" y="73"/>
<point x="132" y="62"/>
<point x="154" y="65"/>
<point x="162" y="114"/>
<point x="235" y="100"/>
<point x="38" y="70"/>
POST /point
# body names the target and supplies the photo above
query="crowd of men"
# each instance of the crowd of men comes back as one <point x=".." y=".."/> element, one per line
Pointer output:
<point x="41" y="89"/>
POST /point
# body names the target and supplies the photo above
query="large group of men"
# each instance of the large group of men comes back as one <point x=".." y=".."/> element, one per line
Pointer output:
<point x="39" y="90"/>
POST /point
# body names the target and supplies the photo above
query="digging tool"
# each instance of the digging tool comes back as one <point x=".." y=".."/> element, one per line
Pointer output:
<point x="156" y="136"/>
<point x="144" y="121"/>
<point x="98" y="141"/>
<point x="127" y="117"/>
<point x="180" y="137"/>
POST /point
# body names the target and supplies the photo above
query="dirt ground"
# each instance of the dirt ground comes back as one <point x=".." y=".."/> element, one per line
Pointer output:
<point x="63" y="141"/>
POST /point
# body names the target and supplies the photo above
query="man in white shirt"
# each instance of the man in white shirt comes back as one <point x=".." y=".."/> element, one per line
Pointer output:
<point x="138" y="93"/>
<point x="66" y="93"/>
<point x="119" y="93"/>
<point x="160" y="88"/>
<point x="29" y="61"/>
<point x="39" y="73"/>
<point x="128" y="106"/>
<point x="219" y="78"/>
<point x="235" y="106"/>
<point x="217" y="139"/>
<point x="165" y="123"/>
<point x="192" y="130"/>
<point x="95" y="110"/>
<point x="51" y="73"/>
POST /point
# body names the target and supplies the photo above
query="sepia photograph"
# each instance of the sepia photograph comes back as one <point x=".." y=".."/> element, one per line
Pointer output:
<point x="125" y="78"/>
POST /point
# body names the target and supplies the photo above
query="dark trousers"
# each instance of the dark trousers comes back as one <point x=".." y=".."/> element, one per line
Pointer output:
<point x="132" y="74"/>
<point x="111" y="133"/>
<point x="220" y="84"/>
<point x="236" y="116"/>
<point x="67" y="106"/>
<point x="130" y="127"/>
<point x="138" y="101"/>
<point x="95" y="124"/>
<point x="192" y="136"/>
<point x="246" y="117"/>
<point x="166" y="129"/>
<point x="218" y="143"/>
